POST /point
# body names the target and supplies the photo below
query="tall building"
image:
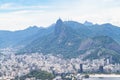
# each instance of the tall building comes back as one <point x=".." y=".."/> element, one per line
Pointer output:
<point x="81" y="68"/>
<point x="101" y="70"/>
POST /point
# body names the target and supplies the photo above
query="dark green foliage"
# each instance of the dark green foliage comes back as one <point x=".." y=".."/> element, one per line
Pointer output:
<point x="86" y="76"/>
<point x="37" y="74"/>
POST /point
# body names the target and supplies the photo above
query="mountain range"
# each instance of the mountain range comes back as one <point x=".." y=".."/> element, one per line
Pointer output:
<point x="67" y="38"/>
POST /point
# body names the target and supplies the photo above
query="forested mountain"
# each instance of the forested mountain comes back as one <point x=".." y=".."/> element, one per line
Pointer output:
<point x="68" y="38"/>
<point x="72" y="39"/>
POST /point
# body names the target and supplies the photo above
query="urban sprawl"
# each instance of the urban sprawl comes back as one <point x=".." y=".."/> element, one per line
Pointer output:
<point x="12" y="65"/>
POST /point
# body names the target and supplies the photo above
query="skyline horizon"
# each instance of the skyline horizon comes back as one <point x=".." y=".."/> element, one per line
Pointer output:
<point x="31" y="26"/>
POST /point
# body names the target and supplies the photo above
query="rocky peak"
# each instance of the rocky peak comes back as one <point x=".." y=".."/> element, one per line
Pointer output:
<point x="58" y="26"/>
<point x="87" y="23"/>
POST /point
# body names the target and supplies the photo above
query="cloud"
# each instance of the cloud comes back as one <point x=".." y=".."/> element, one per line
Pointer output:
<point x="22" y="16"/>
<point x="6" y="5"/>
<point x="14" y="6"/>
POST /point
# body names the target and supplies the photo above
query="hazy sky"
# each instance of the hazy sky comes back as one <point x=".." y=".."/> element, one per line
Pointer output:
<point x="20" y="14"/>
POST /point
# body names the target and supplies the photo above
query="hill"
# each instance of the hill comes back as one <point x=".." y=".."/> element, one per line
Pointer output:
<point x="72" y="39"/>
<point x="37" y="74"/>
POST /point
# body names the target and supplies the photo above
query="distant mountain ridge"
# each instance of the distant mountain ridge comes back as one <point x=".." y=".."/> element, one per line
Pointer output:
<point x="68" y="38"/>
<point x="12" y="38"/>
<point x="72" y="39"/>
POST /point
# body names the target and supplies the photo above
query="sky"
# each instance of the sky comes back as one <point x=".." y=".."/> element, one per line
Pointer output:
<point x="20" y="14"/>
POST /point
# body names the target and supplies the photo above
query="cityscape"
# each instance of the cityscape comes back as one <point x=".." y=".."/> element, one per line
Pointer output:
<point x="12" y="65"/>
<point x="59" y="39"/>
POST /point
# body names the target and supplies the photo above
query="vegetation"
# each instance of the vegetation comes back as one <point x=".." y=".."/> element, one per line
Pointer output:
<point x="86" y="76"/>
<point x="37" y="74"/>
<point x="72" y="39"/>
